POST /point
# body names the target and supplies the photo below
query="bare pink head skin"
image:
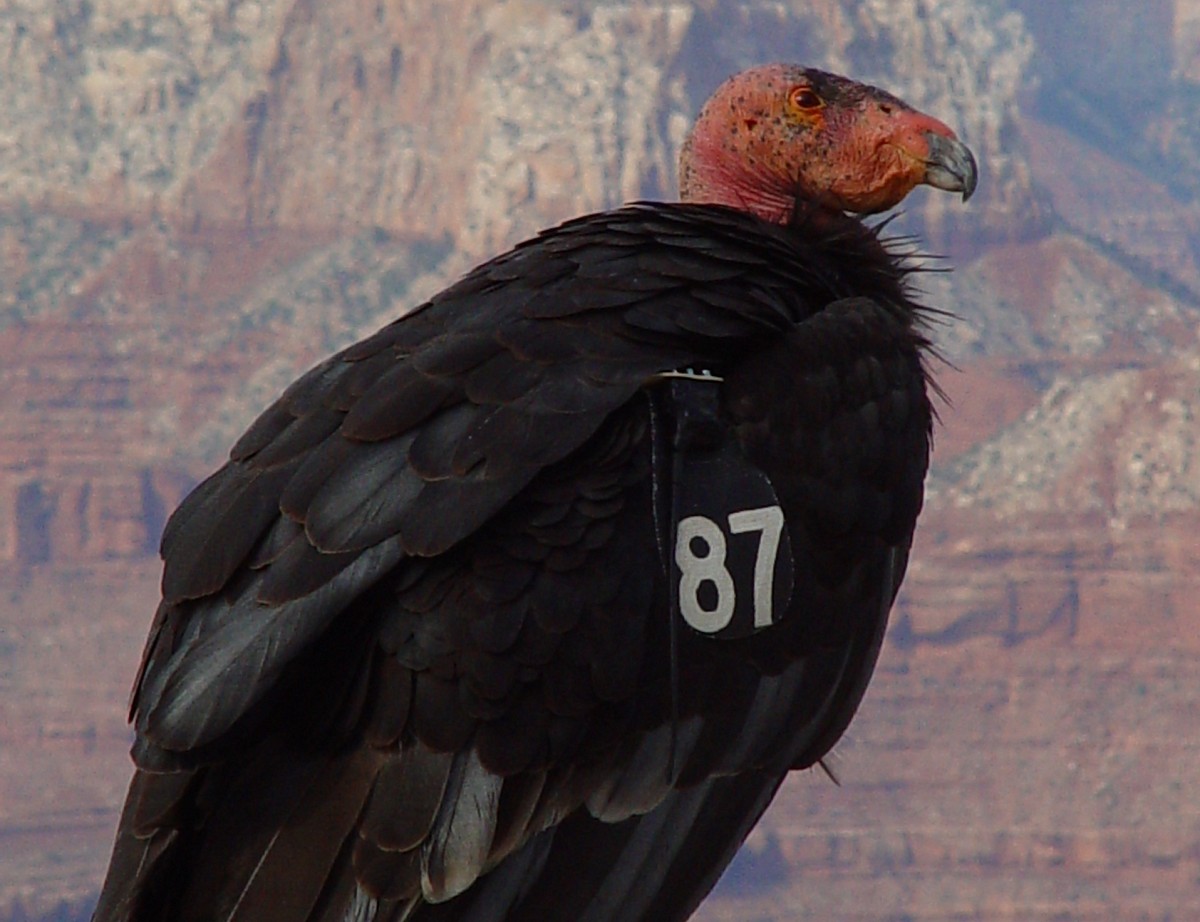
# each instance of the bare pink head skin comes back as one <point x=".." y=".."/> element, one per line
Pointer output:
<point x="780" y="138"/>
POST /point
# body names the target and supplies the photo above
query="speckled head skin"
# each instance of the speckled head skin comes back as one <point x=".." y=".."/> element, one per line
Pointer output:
<point x="777" y="137"/>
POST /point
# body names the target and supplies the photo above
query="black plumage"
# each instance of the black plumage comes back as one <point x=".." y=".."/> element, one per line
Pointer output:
<point x="415" y="644"/>
<point x="522" y="608"/>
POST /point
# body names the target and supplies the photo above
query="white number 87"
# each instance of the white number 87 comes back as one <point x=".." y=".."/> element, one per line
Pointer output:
<point x="697" y="569"/>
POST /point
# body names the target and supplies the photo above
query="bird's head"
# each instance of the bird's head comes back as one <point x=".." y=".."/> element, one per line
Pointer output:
<point x="779" y="137"/>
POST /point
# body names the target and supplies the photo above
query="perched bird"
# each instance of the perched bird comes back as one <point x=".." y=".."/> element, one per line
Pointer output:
<point x="523" y="607"/>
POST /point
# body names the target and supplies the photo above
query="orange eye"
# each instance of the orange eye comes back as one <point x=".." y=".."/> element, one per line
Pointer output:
<point x="805" y="98"/>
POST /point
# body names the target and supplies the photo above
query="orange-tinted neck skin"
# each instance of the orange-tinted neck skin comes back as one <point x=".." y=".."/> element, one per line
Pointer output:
<point x="758" y="145"/>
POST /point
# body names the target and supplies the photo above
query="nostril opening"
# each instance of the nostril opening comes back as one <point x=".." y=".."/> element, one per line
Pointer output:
<point x="885" y="108"/>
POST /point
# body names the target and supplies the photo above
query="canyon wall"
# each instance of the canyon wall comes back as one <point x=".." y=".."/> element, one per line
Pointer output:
<point x="200" y="198"/>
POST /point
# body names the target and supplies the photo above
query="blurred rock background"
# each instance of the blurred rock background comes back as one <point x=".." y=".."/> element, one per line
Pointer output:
<point x="200" y="198"/>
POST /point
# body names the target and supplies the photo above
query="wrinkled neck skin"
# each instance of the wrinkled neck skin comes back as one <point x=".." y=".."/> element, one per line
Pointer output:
<point x="705" y="177"/>
<point x="711" y="175"/>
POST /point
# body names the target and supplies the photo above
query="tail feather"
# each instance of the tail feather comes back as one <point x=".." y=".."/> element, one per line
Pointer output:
<point x="304" y="853"/>
<point x="651" y="868"/>
<point x="141" y="855"/>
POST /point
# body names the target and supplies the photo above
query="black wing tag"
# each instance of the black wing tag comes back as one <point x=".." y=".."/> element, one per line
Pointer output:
<point x="730" y="557"/>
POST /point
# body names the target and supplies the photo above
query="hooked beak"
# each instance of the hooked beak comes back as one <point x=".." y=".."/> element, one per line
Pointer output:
<point x="950" y="166"/>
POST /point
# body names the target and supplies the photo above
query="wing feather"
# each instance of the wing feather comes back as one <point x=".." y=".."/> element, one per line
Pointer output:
<point x="646" y="775"/>
<point x="223" y="526"/>
<point x="231" y="652"/>
<point x="288" y="877"/>
<point x="363" y="500"/>
<point x="455" y="853"/>
<point x="406" y="799"/>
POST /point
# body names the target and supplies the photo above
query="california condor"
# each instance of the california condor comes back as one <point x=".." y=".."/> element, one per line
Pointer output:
<point x="523" y="607"/>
